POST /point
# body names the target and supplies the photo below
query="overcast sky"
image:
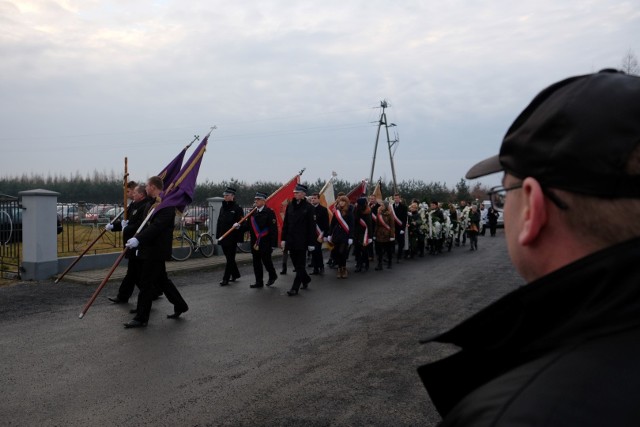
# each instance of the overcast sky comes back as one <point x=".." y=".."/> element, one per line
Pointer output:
<point x="289" y="84"/>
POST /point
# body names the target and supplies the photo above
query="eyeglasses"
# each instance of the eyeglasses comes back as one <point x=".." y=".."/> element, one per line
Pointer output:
<point x="498" y="196"/>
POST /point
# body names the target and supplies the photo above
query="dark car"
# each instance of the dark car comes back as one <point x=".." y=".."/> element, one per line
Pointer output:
<point x="11" y="220"/>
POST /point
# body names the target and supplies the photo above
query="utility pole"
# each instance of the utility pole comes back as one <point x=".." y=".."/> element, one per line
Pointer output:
<point x="383" y="122"/>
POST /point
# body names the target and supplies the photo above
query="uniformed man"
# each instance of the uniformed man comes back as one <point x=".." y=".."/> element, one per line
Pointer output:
<point x="136" y="215"/>
<point x="399" y="212"/>
<point x="230" y="214"/>
<point x="153" y="245"/>
<point x="299" y="236"/>
<point x="322" y="229"/>
<point x="263" y="229"/>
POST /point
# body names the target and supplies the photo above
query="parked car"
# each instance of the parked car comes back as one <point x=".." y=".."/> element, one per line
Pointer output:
<point x="68" y="213"/>
<point x="195" y="216"/>
<point x="97" y="213"/>
<point x="11" y="223"/>
<point x="113" y="212"/>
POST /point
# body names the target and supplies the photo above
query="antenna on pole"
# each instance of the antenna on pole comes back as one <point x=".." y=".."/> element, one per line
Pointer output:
<point x="383" y="122"/>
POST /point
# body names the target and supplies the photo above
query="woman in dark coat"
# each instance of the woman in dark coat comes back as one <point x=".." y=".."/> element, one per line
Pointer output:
<point x="341" y="234"/>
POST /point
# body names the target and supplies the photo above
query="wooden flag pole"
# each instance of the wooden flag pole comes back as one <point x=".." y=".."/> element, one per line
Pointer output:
<point x="113" y="268"/>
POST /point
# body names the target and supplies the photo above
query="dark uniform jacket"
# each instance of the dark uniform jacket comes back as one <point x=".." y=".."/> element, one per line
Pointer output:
<point x="264" y="220"/>
<point x="338" y="235"/>
<point x="402" y="213"/>
<point x="322" y="219"/>
<point x="136" y="213"/>
<point x="298" y="228"/>
<point x="157" y="236"/>
<point x="560" y="351"/>
<point x="358" y="228"/>
<point x="230" y="213"/>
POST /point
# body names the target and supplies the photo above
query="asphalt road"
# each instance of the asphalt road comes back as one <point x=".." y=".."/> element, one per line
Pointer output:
<point x="343" y="353"/>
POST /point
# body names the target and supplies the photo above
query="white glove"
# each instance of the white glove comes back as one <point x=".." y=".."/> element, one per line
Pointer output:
<point x="311" y="248"/>
<point x="125" y="223"/>
<point x="401" y="231"/>
<point x="350" y="242"/>
<point x="369" y="241"/>
<point x="132" y="243"/>
<point x="392" y="239"/>
<point x="374" y="238"/>
<point x="108" y="227"/>
<point x="329" y="239"/>
<point x="325" y="239"/>
<point x="283" y="244"/>
<point x="236" y="225"/>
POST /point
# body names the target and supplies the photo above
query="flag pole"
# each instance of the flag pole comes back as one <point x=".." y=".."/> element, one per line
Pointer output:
<point x="126" y="176"/>
<point x="244" y="218"/>
<point x="173" y="186"/>
<point x="326" y="184"/>
<point x="113" y="268"/>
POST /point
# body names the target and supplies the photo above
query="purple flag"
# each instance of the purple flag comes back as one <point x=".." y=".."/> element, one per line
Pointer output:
<point x="169" y="173"/>
<point x="179" y="193"/>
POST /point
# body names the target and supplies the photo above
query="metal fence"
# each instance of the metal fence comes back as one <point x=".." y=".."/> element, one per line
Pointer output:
<point x="10" y="237"/>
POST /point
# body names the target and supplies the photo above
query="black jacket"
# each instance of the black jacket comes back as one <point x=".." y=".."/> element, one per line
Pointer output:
<point x="136" y="213"/>
<point x="298" y="228"/>
<point x="157" y="235"/>
<point x="402" y="213"/>
<point x="230" y="213"/>
<point x="322" y="219"/>
<point x="560" y="351"/>
<point x="264" y="220"/>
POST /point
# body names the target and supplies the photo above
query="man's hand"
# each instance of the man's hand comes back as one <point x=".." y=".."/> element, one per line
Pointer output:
<point x="132" y="243"/>
<point x="108" y="227"/>
<point x="311" y="248"/>
<point x="283" y="244"/>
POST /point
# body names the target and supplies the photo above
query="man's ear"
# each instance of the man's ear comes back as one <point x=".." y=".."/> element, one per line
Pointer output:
<point x="533" y="212"/>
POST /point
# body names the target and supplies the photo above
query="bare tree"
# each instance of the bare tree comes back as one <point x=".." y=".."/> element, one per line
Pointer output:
<point x="630" y="63"/>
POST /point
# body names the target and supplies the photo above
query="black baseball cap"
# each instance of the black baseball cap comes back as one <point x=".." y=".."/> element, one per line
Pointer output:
<point x="576" y="135"/>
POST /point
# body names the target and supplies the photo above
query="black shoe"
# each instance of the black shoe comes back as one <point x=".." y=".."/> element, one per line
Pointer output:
<point x="133" y="311"/>
<point x="233" y="279"/>
<point x="378" y="267"/>
<point x="224" y="283"/>
<point x="292" y="292"/>
<point x="315" y="273"/>
<point x="256" y="285"/>
<point x="283" y="272"/>
<point x="271" y="281"/>
<point x="176" y="314"/>
<point x="116" y="300"/>
<point x="358" y="269"/>
<point x="135" y="324"/>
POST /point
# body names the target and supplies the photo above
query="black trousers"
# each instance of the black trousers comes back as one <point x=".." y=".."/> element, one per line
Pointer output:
<point x="260" y="258"/>
<point x="299" y="259"/>
<point x="400" y="243"/>
<point x="384" y="248"/>
<point x="231" y="268"/>
<point x="317" y="261"/>
<point x="131" y="279"/>
<point x="362" y="254"/>
<point x="154" y="277"/>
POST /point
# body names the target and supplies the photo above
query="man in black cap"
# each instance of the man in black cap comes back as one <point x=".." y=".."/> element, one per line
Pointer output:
<point x="230" y="214"/>
<point x="564" y="349"/>
<point x="299" y="235"/>
<point x="263" y="229"/>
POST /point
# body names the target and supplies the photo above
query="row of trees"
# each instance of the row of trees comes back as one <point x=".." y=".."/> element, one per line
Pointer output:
<point x="107" y="188"/>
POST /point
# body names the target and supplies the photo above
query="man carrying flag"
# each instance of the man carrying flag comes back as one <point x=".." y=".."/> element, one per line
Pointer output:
<point x="153" y="246"/>
<point x="154" y="238"/>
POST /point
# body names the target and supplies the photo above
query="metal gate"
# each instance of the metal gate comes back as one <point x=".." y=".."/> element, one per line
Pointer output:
<point x="10" y="237"/>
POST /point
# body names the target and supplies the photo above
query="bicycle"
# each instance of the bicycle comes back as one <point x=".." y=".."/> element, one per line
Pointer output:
<point x="184" y="245"/>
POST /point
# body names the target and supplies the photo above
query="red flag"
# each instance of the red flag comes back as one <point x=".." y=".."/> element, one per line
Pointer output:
<point x="279" y="200"/>
<point x="355" y="194"/>
<point x="179" y="193"/>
